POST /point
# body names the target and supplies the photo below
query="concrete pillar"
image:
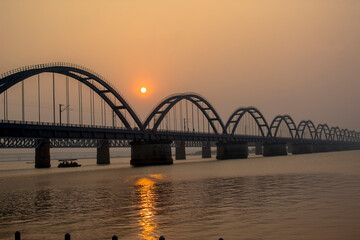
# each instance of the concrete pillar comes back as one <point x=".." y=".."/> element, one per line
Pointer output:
<point x="103" y="153"/>
<point x="347" y="147"/>
<point x="302" y="148"/>
<point x="17" y="235"/>
<point x="67" y="236"/>
<point x="289" y="148"/>
<point x="232" y="150"/>
<point x="274" y="149"/>
<point x="335" y="147"/>
<point x="320" y="147"/>
<point x="180" y="153"/>
<point x="354" y="146"/>
<point x="206" y="150"/>
<point x="147" y="152"/>
<point x="258" y="148"/>
<point x="343" y="147"/>
<point x="350" y="146"/>
<point x="42" y="154"/>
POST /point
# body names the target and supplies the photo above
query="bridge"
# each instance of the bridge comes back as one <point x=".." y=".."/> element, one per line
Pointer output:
<point x="61" y="105"/>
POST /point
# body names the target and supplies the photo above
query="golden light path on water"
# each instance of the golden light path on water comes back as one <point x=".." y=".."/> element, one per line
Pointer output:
<point x="146" y="192"/>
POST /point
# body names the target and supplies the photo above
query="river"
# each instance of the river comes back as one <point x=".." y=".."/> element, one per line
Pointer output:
<point x="313" y="196"/>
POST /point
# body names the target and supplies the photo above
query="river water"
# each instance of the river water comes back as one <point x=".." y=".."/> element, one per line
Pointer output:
<point x="315" y="196"/>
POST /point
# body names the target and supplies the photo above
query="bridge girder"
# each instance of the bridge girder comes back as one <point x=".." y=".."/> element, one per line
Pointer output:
<point x="61" y="143"/>
<point x="18" y="143"/>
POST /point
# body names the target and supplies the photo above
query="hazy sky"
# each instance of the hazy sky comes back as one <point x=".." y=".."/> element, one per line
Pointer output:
<point x="298" y="57"/>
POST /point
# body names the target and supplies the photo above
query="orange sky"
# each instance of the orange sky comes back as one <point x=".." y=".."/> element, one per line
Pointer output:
<point x="292" y="56"/>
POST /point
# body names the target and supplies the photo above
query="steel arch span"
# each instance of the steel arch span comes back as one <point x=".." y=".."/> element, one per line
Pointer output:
<point x="275" y="125"/>
<point x="158" y="114"/>
<point x="353" y="136"/>
<point x="306" y="124"/>
<point x="323" y="128"/>
<point x="92" y="80"/>
<point x="335" y="132"/>
<point x="345" y="135"/>
<point x="236" y="117"/>
<point x="357" y="137"/>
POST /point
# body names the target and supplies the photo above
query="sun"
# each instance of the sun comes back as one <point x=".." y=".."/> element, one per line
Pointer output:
<point x="143" y="90"/>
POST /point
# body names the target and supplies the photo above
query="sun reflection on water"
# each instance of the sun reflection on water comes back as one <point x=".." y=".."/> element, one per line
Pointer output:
<point x="146" y="192"/>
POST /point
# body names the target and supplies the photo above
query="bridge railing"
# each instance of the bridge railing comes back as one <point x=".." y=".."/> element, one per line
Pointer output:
<point x="62" y="124"/>
<point x="182" y="131"/>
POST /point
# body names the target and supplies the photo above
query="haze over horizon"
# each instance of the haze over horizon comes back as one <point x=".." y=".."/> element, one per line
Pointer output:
<point x="284" y="57"/>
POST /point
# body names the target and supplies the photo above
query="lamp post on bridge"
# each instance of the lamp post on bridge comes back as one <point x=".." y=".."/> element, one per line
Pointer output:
<point x="61" y="110"/>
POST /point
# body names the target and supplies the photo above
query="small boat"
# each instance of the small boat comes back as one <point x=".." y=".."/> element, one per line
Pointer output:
<point x="68" y="163"/>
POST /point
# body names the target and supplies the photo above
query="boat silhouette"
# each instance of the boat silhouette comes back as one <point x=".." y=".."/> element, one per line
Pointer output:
<point x="68" y="163"/>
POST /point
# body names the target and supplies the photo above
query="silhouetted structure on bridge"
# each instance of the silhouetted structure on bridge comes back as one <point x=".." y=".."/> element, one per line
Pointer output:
<point x="180" y="120"/>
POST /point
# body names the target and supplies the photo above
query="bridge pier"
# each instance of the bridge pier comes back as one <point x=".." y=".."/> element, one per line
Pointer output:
<point x="274" y="149"/>
<point x="258" y="148"/>
<point x="350" y="147"/>
<point x="355" y="146"/>
<point x="289" y="148"/>
<point x="147" y="152"/>
<point x="343" y="147"/>
<point x="302" y="148"/>
<point x="103" y="153"/>
<point x="42" y="154"/>
<point x="232" y="150"/>
<point x="336" y="147"/>
<point x="321" y="147"/>
<point x="206" y="150"/>
<point x="180" y="153"/>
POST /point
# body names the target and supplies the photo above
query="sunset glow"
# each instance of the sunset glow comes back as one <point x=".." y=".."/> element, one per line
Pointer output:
<point x="154" y="120"/>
